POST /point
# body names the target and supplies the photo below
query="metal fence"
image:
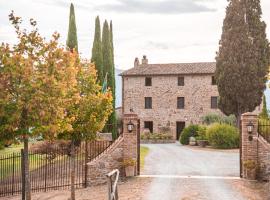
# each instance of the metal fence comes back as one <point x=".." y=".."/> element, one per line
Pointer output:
<point x="264" y="129"/>
<point x="49" y="169"/>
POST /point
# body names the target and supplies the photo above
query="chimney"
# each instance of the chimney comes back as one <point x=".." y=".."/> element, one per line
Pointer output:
<point x="136" y="62"/>
<point x="144" y="60"/>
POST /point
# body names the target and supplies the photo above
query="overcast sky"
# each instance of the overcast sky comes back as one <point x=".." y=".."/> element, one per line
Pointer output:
<point x="164" y="30"/>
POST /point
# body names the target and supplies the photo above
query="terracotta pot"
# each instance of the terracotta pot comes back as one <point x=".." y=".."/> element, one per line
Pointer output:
<point x="130" y="171"/>
<point x="202" y="143"/>
<point x="251" y="174"/>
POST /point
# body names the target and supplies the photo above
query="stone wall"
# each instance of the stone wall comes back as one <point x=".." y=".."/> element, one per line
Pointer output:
<point x="164" y="91"/>
<point x="125" y="147"/>
<point x="256" y="150"/>
<point x="263" y="159"/>
<point x="106" y="162"/>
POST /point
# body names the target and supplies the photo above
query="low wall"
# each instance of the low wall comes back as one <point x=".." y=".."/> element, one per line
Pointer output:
<point x="105" y="163"/>
<point x="263" y="159"/>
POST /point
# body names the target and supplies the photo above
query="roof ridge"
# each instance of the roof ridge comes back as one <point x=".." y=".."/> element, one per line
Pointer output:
<point x="172" y="68"/>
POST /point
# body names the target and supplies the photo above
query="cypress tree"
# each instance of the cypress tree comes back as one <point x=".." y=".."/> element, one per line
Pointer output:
<point x="109" y="69"/>
<point x="113" y="116"/>
<point x="97" y="57"/>
<point x="72" y="42"/>
<point x="243" y="58"/>
<point x="264" y="113"/>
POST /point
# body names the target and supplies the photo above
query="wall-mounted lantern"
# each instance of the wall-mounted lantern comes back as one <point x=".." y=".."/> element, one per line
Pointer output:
<point x="250" y="128"/>
<point x="130" y="126"/>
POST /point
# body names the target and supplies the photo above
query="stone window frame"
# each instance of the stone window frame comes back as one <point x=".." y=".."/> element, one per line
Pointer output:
<point x="181" y="81"/>
<point x="214" y="102"/>
<point x="180" y="102"/>
<point x="148" y="103"/>
<point x="148" y="81"/>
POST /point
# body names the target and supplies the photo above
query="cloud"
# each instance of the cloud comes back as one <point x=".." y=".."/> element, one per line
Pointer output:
<point x="157" y="45"/>
<point x="156" y="7"/>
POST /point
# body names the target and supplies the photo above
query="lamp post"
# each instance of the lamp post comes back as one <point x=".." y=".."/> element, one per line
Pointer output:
<point x="250" y="128"/>
<point x="130" y="126"/>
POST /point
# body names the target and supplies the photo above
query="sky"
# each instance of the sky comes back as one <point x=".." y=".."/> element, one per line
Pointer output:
<point x="166" y="31"/>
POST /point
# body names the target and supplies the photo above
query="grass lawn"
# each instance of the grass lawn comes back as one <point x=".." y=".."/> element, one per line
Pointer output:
<point x="10" y="160"/>
<point x="9" y="150"/>
<point x="143" y="152"/>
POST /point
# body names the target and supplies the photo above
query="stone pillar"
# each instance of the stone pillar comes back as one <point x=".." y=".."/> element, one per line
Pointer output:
<point x="130" y="139"/>
<point x="249" y="148"/>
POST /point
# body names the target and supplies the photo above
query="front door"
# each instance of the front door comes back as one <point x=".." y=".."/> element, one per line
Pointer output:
<point x="179" y="128"/>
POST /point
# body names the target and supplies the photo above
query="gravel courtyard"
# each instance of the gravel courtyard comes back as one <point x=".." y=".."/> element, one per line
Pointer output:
<point x="187" y="173"/>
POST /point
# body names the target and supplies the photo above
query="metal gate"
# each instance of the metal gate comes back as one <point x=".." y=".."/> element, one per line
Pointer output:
<point x="138" y="147"/>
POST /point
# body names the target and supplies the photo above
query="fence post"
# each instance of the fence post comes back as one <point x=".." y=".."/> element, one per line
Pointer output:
<point x="85" y="164"/>
<point x="46" y="166"/>
<point x="23" y="174"/>
<point x="13" y="171"/>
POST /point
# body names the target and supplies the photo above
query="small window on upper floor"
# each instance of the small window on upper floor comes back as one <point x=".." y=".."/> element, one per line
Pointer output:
<point x="180" y="102"/>
<point x="214" y="82"/>
<point x="148" y="102"/>
<point x="181" y="81"/>
<point x="214" y="102"/>
<point x="148" y="81"/>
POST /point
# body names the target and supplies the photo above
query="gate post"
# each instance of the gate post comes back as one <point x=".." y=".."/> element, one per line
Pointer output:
<point x="131" y="139"/>
<point x="249" y="145"/>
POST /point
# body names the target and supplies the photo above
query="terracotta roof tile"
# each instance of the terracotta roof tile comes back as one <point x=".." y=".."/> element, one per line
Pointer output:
<point x="171" y="68"/>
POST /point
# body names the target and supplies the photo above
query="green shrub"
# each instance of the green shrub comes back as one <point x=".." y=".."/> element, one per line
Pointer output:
<point x="223" y="136"/>
<point x="202" y="133"/>
<point x="156" y="136"/>
<point x="216" y="118"/>
<point x="190" y="131"/>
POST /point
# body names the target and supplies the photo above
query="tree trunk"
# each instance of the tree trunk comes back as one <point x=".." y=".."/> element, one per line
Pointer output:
<point x="238" y="121"/>
<point x="26" y="167"/>
<point x="72" y="174"/>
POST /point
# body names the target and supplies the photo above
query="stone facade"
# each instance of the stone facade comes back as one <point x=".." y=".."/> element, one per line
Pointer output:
<point x="256" y="150"/>
<point x="197" y="92"/>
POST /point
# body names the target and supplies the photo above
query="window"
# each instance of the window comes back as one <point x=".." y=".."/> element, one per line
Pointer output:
<point x="148" y="81"/>
<point x="214" y="102"/>
<point x="149" y="125"/>
<point x="180" y="102"/>
<point x="181" y="81"/>
<point x="148" y="102"/>
<point x="214" y="82"/>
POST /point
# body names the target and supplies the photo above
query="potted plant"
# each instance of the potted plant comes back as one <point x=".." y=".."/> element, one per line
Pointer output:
<point x="129" y="165"/>
<point x="201" y="142"/>
<point x="192" y="141"/>
<point x="250" y="169"/>
<point x="201" y="138"/>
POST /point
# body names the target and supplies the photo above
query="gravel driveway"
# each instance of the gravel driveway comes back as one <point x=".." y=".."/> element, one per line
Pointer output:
<point x="187" y="173"/>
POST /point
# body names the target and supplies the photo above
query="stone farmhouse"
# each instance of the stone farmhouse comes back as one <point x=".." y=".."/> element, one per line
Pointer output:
<point x="169" y="96"/>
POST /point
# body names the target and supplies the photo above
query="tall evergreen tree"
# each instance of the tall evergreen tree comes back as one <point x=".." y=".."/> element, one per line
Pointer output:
<point x="109" y="70"/>
<point x="243" y="58"/>
<point x="113" y="115"/>
<point x="72" y="42"/>
<point x="264" y="113"/>
<point x="97" y="57"/>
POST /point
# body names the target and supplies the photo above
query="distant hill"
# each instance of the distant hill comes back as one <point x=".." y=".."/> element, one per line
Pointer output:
<point x="118" y="85"/>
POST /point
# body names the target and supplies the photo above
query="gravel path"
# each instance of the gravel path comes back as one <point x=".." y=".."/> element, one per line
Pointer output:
<point x="213" y="173"/>
<point x="175" y="159"/>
